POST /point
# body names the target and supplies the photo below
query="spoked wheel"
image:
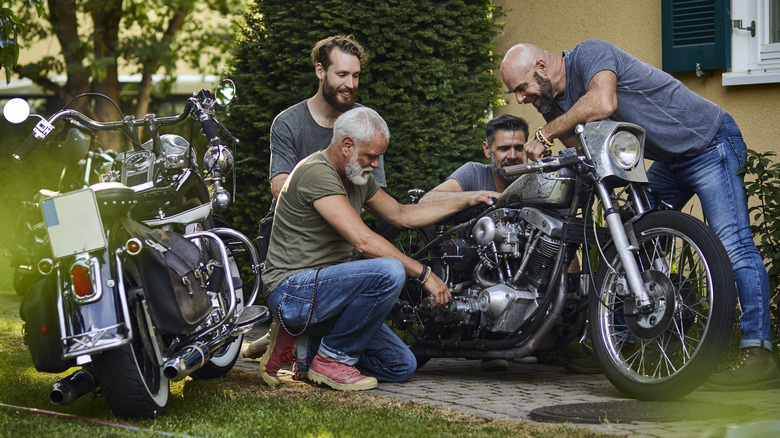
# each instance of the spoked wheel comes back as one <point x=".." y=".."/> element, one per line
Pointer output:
<point x="667" y="352"/>
<point x="403" y="315"/>
<point x="131" y="376"/>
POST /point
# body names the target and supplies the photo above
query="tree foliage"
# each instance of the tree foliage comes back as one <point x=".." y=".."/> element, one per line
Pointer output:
<point x="144" y="37"/>
<point x="10" y="32"/>
<point x="429" y="74"/>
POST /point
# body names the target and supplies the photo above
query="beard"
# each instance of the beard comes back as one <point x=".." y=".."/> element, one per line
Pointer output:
<point x="356" y="174"/>
<point x="499" y="168"/>
<point x="331" y="95"/>
<point x="546" y="98"/>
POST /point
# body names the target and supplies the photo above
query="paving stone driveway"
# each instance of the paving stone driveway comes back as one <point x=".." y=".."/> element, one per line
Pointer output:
<point x="461" y="385"/>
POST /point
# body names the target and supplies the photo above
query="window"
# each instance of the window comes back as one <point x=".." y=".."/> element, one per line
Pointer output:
<point x="755" y="54"/>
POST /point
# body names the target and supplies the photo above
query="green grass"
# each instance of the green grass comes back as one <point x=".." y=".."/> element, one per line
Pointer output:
<point x="236" y="405"/>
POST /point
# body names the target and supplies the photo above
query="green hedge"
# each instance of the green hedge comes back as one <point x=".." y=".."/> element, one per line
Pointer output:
<point x="429" y="74"/>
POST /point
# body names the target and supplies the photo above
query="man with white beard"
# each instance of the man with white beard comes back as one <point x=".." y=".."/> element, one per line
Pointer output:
<point x="307" y="126"/>
<point x="313" y="286"/>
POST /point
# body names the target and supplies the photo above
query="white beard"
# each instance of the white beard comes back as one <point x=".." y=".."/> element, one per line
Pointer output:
<point x="355" y="172"/>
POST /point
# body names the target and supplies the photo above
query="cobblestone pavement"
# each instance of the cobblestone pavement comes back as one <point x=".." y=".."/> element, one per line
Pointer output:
<point x="461" y="385"/>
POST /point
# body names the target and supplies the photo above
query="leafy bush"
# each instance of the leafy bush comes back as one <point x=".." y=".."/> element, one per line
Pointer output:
<point x="429" y="74"/>
<point x="762" y="183"/>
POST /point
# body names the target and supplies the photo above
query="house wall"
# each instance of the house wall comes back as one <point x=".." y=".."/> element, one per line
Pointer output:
<point x="634" y="26"/>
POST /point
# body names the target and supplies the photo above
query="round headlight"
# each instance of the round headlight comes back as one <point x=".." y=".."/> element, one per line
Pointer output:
<point x="624" y="148"/>
<point x="218" y="160"/>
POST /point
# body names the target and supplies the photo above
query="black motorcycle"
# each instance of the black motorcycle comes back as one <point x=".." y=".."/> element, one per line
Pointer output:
<point x="133" y="279"/>
<point x="655" y="285"/>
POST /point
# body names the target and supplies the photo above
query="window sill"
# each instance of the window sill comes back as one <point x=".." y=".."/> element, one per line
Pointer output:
<point x="750" y="77"/>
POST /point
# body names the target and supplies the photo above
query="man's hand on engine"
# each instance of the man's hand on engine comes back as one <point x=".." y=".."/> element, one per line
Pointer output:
<point x="439" y="290"/>
<point x="484" y="197"/>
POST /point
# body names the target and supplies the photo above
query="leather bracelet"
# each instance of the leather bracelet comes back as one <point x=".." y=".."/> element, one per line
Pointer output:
<point x="427" y="276"/>
<point x="423" y="275"/>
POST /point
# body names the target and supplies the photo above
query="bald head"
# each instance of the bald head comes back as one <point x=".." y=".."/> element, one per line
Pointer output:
<point x="521" y="59"/>
<point x="533" y="74"/>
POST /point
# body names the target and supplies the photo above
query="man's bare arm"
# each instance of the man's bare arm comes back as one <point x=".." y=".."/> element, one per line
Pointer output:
<point x="599" y="102"/>
<point x="339" y="213"/>
<point x="418" y="215"/>
<point x="277" y="182"/>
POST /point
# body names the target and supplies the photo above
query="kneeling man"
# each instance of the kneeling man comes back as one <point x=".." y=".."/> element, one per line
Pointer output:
<point x="311" y="284"/>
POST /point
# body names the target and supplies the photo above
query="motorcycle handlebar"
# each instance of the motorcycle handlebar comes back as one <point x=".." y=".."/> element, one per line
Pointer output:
<point x="149" y="120"/>
<point x="24" y="150"/>
<point x="546" y="165"/>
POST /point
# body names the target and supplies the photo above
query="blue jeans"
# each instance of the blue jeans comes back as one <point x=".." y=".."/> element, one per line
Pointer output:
<point x="352" y="302"/>
<point x="712" y="176"/>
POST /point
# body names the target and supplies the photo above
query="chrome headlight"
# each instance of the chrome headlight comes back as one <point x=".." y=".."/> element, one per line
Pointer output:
<point x="624" y="147"/>
<point x="218" y="160"/>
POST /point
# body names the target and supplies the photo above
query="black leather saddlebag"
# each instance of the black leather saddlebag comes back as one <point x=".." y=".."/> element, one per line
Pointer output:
<point x="41" y="326"/>
<point x="172" y="281"/>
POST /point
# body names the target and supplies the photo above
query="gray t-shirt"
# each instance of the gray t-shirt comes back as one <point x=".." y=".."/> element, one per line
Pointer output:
<point x="678" y="121"/>
<point x="295" y="135"/>
<point x="301" y="238"/>
<point x="474" y="176"/>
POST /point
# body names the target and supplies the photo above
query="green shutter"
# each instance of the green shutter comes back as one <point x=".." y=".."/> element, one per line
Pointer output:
<point x="696" y="32"/>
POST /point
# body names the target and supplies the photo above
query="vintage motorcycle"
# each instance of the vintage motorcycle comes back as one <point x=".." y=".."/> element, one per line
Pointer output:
<point x="656" y="289"/>
<point x="135" y="281"/>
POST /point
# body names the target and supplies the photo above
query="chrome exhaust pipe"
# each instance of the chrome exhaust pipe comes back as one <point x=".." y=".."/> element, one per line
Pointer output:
<point x="188" y="361"/>
<point x="67" y="390"/>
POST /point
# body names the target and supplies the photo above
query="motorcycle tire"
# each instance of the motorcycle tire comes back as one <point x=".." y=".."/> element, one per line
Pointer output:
<point x="130" y="378"/>
<point x="667" y="353"/>
<point x="224" y="360"/>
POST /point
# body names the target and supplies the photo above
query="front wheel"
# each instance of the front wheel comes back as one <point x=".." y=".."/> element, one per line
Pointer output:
<point x="667" y="352"/>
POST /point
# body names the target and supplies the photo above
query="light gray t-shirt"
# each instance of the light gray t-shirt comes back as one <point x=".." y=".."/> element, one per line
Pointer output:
<point x="678" y="121"/>
<point x="295" y="135"/>
<point x="301" y="238"/>
<point x="474" y="176"/>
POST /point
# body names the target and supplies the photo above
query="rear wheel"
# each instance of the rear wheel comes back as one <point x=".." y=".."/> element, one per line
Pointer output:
<point x="131" y="376"/>
<point x="669" y="351"/>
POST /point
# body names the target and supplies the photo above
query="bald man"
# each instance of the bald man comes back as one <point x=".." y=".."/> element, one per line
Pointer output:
<point x="697" y="148"/>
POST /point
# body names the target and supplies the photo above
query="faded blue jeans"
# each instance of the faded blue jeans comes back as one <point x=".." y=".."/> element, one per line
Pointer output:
<point x="712" y="176"/>
<point x="352" y="302"/>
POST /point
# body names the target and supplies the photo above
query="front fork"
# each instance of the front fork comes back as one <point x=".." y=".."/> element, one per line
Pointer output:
<point x="625" y="249"/>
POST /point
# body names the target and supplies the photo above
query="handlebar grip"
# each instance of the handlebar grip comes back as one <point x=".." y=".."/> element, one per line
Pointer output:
<point x="24" y="150"/>
<point x="209" y="128"/>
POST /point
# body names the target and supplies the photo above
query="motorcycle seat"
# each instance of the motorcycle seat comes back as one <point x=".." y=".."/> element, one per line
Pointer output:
<point x="113" y="198"/>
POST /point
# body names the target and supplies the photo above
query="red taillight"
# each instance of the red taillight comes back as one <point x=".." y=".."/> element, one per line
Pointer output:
<point x="82" y="281"/>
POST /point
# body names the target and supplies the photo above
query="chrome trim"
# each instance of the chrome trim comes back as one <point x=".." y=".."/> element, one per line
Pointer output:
<point x="229" y="278"/>
<point x="257" y="263"/>
<point x="195" y="214"/>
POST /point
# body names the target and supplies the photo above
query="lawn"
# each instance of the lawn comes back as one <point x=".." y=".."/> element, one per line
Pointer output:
<point x="236" y="405"/>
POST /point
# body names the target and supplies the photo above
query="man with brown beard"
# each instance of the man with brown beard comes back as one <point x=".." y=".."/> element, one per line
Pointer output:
<point x="505" y="136"/>
<point x="307" y="126"/>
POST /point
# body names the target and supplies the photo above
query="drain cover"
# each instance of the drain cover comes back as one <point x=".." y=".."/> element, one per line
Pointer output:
<point x="634" y="410"/>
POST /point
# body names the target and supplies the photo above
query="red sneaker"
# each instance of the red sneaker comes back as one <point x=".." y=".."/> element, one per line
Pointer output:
<point x="278" y="353"/>
<point x="338" y="376"/>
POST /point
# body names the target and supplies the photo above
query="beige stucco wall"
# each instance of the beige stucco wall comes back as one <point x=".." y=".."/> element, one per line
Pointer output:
<point x="635" y="26"/>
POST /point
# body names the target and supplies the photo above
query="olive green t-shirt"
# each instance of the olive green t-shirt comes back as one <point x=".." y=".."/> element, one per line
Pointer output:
<point x="301" y="238"/>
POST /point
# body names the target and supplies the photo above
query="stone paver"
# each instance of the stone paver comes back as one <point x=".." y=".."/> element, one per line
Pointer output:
<point x="462" y="386"/>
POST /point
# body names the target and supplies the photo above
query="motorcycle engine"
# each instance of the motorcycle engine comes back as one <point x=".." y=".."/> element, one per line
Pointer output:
<point x="488" y="293"/>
